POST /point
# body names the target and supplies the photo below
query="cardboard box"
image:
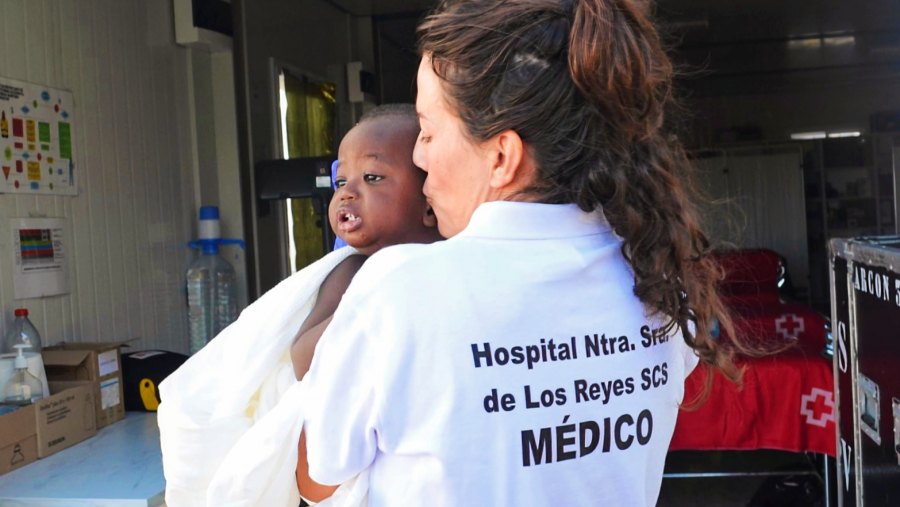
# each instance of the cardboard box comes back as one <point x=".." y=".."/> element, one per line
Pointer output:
<point x="98" y="363"/>
<point x="61" y="420"/>
<point x="65" y="418"/>
<point x="18" y="439"/>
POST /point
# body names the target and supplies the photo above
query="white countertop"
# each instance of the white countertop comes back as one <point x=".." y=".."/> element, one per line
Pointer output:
<point x="121" y="467"/>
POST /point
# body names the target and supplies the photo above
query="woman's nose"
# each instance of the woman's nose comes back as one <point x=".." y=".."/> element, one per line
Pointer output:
<point x="419" y="156"/>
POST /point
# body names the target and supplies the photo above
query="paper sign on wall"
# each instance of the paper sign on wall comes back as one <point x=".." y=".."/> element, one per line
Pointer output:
<point x="41" y="265"/>
<point x="36" y="148"/>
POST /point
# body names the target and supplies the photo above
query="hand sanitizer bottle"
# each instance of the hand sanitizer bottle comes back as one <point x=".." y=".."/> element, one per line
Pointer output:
<point x="21" y="330"/>
<point x="23" y="386"/>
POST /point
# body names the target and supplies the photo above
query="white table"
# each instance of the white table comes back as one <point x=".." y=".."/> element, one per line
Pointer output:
<point x="121" y="467"/>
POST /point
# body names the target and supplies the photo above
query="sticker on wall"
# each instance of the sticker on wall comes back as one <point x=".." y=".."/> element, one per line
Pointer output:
<point x="37" y="139"/>
<point x="44" y="131"/>
<point x="40" y="260"/>
<point x="34" y="171"/>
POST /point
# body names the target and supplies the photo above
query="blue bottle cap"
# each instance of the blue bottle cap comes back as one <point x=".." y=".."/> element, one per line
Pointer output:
<point x="209" y="213"/>
<point x="210" y="247"/>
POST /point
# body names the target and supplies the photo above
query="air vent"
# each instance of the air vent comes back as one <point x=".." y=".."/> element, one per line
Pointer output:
<point x="204" y="24"/>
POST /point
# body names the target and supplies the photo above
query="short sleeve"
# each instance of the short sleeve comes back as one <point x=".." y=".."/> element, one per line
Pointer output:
<point x="691" y="359"/>
<point x="345" y="383"/>
<point x="339" y="406"/>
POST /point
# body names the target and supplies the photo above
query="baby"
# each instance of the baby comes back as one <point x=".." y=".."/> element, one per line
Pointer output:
<point x="378" y="202"/>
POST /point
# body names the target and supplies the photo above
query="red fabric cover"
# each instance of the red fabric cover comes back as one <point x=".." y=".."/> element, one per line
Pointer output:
<point x="750" y="289"/>
<point x="749" y="274"/>
<point x="787" y="403"/>
<point x="779" y="321"/>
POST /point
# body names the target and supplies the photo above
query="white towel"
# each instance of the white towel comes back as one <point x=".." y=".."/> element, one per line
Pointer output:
<point x="231" y="416"/>
<point x="260" y="470"/>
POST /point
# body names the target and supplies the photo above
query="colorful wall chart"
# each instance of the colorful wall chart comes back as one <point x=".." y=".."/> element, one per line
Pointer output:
<point x="37" y="152"/>
<point x="40" y="258"/>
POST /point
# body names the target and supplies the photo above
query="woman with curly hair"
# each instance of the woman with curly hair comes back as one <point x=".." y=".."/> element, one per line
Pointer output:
<point x="538" y="355"/>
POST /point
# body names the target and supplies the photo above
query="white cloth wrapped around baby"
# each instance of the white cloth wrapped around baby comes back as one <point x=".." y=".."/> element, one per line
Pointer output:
<point x="231" y="416"/>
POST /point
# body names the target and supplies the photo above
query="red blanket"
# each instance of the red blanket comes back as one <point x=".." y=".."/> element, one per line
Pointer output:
<point x="750" y="289"/>
<point x="787" y="403"/>
<point x="779" y="321"/>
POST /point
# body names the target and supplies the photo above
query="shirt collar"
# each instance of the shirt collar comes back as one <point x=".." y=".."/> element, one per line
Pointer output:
<point x="526" y="220"/>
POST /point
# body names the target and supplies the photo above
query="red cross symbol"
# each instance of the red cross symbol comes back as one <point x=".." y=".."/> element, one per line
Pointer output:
<point x="818" y="407"/>
<point x="789" y="326"/>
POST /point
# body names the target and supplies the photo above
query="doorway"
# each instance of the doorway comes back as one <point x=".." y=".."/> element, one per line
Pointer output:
<point x="307" y="126"/>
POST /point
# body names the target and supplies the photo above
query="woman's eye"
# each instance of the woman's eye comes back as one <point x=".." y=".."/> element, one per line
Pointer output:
<point x="426" y="139"/>
<point x="340" y="183"/>
<point x="372" y="178"/>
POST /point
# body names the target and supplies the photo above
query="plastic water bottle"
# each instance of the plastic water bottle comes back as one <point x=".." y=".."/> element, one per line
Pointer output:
<point x="211" y="284"/>
<point x="21" y="332"/>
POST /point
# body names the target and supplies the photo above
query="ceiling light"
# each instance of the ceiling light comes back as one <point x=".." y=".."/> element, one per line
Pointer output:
<point x="808" y="136"/>
<point x="835" y="135"/>
<point x="805" y="43"/>
<point x="840" y="41"/>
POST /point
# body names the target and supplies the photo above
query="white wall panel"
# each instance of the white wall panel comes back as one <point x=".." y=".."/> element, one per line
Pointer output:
<point x="134" y="212"/>
<point x="758" y="202"/>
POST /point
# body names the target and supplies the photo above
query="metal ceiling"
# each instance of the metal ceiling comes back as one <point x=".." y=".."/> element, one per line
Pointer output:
<point x="732" y="38"/>
<point x="729" y="20"/>
<point x="752" y="20"/>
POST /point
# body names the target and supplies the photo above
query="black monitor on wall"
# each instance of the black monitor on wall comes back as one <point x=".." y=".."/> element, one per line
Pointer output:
<point x="297" y="178"/>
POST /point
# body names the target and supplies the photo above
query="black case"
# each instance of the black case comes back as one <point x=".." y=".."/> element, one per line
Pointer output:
<point x="865" y="293"/>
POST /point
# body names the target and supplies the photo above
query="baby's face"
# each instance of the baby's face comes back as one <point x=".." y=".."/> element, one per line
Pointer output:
<point x="378" y="201"/>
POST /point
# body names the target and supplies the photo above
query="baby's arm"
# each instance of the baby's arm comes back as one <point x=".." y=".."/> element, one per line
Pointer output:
<point x="330" y="294"/>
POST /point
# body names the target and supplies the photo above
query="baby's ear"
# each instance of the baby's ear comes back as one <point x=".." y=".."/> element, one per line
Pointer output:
<point x="430" y="220"/>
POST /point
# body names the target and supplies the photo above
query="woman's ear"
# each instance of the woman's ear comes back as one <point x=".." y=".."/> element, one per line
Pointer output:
<point x="430" y="220"/>
<point x="509" y="171"/>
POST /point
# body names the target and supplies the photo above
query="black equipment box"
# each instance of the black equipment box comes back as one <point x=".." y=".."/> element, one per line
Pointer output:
<point x="865" y="309"/>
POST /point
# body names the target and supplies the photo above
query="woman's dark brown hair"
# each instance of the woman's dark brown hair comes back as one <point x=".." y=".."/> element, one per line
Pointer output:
<point x="586" y="84"/>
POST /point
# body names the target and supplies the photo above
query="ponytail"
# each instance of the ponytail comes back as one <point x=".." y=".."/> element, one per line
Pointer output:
<point x="587" y="84"/>
<point x="618" y="64"/>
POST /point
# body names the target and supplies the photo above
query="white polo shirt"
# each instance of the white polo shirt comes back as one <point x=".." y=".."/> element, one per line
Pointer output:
<point x="511" y="365"/>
